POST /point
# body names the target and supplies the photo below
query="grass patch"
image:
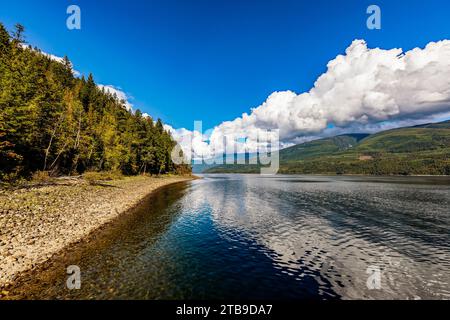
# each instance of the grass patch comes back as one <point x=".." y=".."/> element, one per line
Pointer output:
<point x="94" y="176"/>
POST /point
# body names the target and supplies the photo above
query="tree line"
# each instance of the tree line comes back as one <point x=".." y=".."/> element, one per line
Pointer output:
<point x="52" y="121"/>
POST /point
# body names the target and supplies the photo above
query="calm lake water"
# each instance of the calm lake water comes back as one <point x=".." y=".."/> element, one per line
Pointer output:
<point x="283" y="237"/>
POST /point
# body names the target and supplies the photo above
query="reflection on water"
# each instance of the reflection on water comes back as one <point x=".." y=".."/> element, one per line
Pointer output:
<point x="295" y="237"/>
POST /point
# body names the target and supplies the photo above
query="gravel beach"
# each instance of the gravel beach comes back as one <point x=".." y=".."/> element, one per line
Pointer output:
<point x="37" y="222"/>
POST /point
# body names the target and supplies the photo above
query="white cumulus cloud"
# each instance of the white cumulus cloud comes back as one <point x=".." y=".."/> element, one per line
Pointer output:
<point x="192" y="143"/>
<point x="362" y="90"/>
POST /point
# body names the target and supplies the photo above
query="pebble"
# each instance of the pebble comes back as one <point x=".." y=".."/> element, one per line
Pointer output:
<point x="41" y="221"/>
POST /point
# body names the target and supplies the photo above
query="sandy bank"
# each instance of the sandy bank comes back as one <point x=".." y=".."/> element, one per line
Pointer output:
<point x="37" y="222"/>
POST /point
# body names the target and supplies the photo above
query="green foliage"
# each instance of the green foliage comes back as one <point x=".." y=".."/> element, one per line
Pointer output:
<point x="52" y="121"/>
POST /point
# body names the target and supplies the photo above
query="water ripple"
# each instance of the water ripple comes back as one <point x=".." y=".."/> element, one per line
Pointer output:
<point x="285" y="238"/>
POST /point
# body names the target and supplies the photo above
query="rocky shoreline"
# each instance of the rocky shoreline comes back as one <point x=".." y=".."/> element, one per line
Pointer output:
<point x="39" y="221"/>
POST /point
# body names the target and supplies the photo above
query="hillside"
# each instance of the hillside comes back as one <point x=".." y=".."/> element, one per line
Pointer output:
<point x="322" y="147"/>
<point x="55" y="122"/>
<point x="423" y="149"/>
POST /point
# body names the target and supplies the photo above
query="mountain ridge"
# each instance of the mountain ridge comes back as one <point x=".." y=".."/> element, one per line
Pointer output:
<point x="422" y="149"/>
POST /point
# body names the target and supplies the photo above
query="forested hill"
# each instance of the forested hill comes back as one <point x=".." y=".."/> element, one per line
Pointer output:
<point x="51" y="120"/>
<point x="423" y="149"/>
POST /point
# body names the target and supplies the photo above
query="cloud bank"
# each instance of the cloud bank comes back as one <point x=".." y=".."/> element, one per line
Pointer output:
<point x="363" y="90"/>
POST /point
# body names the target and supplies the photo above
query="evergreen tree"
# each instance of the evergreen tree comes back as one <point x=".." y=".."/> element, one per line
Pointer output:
<point x="51" y="120"/>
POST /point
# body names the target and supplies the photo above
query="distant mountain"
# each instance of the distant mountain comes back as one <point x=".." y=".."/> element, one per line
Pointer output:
<point x="439" y="125"/>
<point x="423" y="149"/>
<point x="203" y="167"/>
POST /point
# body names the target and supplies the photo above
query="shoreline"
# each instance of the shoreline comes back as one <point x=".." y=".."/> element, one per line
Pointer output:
<point x="332" y="175"/>
<point x="41" y="221"/>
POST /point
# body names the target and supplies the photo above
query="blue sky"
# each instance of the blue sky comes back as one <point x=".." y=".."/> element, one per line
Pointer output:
<point x="212" y="60"/>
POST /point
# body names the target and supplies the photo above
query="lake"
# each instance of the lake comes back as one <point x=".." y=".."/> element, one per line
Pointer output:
<point x="280" y="237"/>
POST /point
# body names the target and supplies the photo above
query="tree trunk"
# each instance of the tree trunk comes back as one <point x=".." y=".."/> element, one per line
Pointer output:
<point x="47" y="151"/>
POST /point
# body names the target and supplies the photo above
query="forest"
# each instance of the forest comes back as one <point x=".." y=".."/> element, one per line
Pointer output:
<point x="52" y="121"/>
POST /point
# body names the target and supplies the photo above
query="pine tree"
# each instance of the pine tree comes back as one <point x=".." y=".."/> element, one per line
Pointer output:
<point x="51" y="120"/>
<point x="18" y="36"/>
<point x="4" y="41"/>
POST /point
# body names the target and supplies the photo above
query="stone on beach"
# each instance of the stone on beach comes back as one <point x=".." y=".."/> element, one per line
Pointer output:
<point x="37" y="222"/>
